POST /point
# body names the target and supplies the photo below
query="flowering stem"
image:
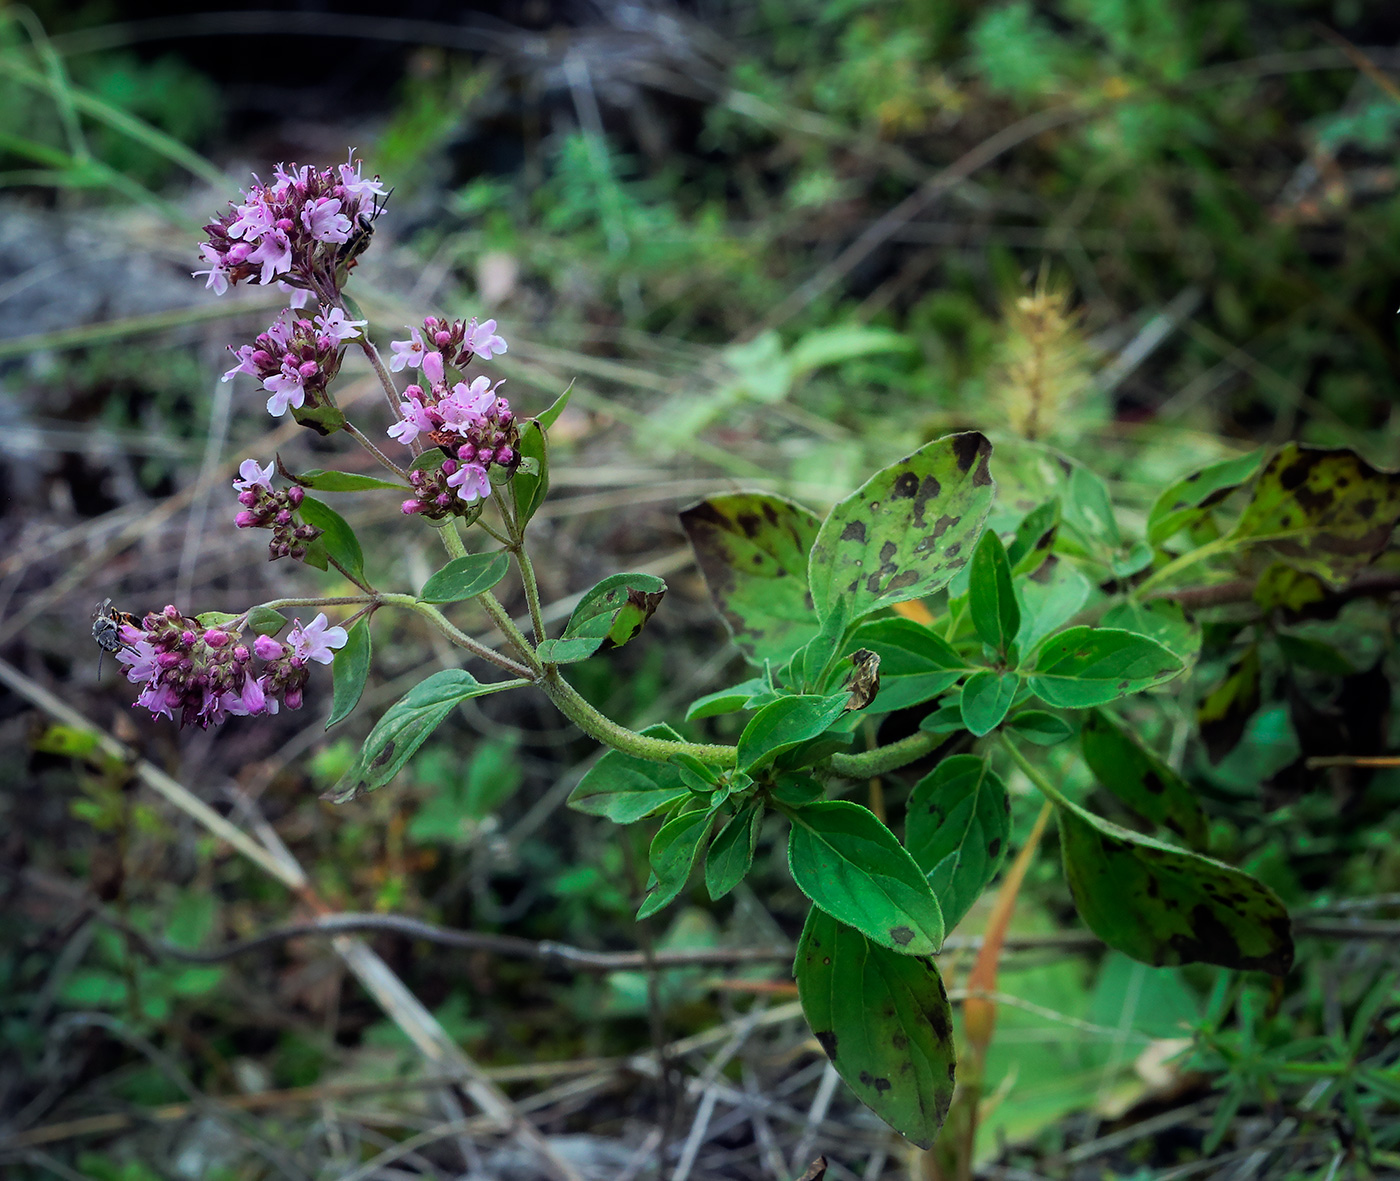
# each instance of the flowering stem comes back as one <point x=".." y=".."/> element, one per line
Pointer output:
<point x="458" y="637"/>
<point x="516" y="545"/>
<point x="391" y="393"/>
<point x="360" y="437"/>
<point x="318" y="601"/>
<point x="452" y="540"/>
<point x="608" y="732"/>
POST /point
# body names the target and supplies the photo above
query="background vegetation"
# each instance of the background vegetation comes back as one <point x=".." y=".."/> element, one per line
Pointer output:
<point x="774" y="245"/>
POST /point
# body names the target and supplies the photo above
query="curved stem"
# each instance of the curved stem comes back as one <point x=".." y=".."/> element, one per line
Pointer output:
<point x="456" y="635"/>
<point x="501" y="618"/>
<point x="884" y="758"/>
<point x="310" y="601"/>
<point x="1184" y="561"/>
<point x="1035" y="774"/>
<point x="360" y="437"/>
<point x="608" y="732"/>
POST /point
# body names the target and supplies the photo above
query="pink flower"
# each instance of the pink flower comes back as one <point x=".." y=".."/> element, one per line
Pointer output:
<point x="334" y="325"/>
<point x="324" y="221"/>
<point x="218" y="271"/>
<point x="274" y="254"/>
<point x="354" y="185"/>
<point x="245" y="362"/>
<point x="433" y="370"/>
<point x="315" y="641"/>
<point x="471" y="482"/>
<point x="254" y="476"/>
<point x="266" y="648"/>
<point x="287" y="389"/>
<point x="253" y="221"/>
<point x="141" y="657"/>
<point x="407" y="352"/>
<point x="482" y="339"/>
<point x="297" y="297"/>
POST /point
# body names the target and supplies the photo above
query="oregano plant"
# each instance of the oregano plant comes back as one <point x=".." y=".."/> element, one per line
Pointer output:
<point x="990" y="596"/>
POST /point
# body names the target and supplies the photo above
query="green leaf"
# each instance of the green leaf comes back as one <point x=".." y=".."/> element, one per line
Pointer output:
<point x="784" y="724"/>
<point x="1327" y="512"/>
<point x="264" y="621"/>
<point x="673" y="852"/>
<point x="556" y="408"/>
<point x="748" y="694"/>
<point x="731" y="852"/>
<point x="1165" y="906"/>
<point x="883" y="1020"/>
<point x="752" y="550"/>
<point x="844" y="342"/>
<point x="1140" y="779"/>
<point x="349" y="671"/>
<point x="466" y="577"/>
<point x="1160" y="620"/>
<point x="916" y="664"/>
<point x="990" y="597"/>
<point x="854" y="868"/>
<point x="986" y="697"/>
<point x="626" y="789"/>
<point x="1089" y="508"/>
<point x="528" y="489"/>
<point x="1290" y="591"/>
<point x="340" y="541"/>
<point x="1083" y="666"/>
<point x="1028" y="475"/>
<point x="1226" y="709"/>
<point x="946" y="719"/>
<point x="1039" y="727"/>
<point x="1035" y="538"/>
<point x="404" y="728"/>
<point x="611" y="613"/>
<point x="1191" y="498"/>
<point x="322" y="481"/>
<point x="813" y="662"/>
<point x="1049" y="599"/>
<point x="796" y="790"/>
<point x="959" y="820"/>
<point x="1305" y="652"/>
<point x="906" y="531"/>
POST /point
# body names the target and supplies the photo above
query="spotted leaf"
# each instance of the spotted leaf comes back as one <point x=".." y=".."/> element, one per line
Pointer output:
<point x="1140" y="779"/>
<point x="906" y="531"/>
<point x="883" y="1020"/>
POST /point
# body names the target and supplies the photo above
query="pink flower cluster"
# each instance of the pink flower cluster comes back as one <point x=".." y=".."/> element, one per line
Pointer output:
<point x="201" y="675"/>
<point x="264" y="508"/>
<point x="293" y="231"/>
<point x="469" y="421"/>
<point x="296" y="359"/>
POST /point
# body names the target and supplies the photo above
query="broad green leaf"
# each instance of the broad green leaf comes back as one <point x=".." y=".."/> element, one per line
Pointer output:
<point x="986" y="697"/>
<point x="322" y="481"/>
<point x="672" y="857"/>
<point x="404" y="728"/>
<point x="906" y="531"/>
<point x="796" y="789"/>
<point x="264" y="621"/>
<point x="752" y="549"/>
<point x="844" y="342"/>
<point x="556" y="408"/>
<point x="1088" y="508"/>
<point x="1028" y="475"/>
<point x="1140" y="779"/>
<point x="854" y="868"/>
<point x="1290" y="591"/>
<point x="1083" y="666"/>
<point x="990" y="597"/>
<point x="1227" y="708"/>
<point x="748" y="694"/>
<point x="1049" y="599"/>
<point x="784" y="724"/>
<point x="1187" y="501"/>
<point x="958" y="822"/>
<point x="1327" y="512"/>
<point x="1035" y="538"/>
<point x="916" y="664"/>
<point x="349" y="671"/>
<point x="1164" y="906"/>
<point x="612" y="612"/>
<point x="1039" y="727"/>
<point x="625" y="789"/>
<point x="529" y="488"/>
<point x="466" y="577"/>
<point x="1305" y="652"/>
<point x="731" y="852"/>
<point x="339" y="539"/>
<point x="815" y="660"/>
<point x="1160" y="620"/>
<point x="946" y="719"/>
<point x="883" y="1020"/>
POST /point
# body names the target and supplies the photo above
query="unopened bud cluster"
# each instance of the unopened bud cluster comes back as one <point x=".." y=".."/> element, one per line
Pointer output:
<point x="200" y="675"/>
<point x="297" y="359"/>
<point x="266" y="508"/>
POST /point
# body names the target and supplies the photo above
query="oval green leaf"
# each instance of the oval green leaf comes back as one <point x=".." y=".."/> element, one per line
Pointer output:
<point x="349" y="671"/>
<point x="625" y="789"/>
<point x="611" y="613"/>
<point x="1191" y="498"/>
<point x="906" y="531"/>
<point x="731" y="852"/>
<point x="466" y="577"/>
<point x="958" y="824"/>
<point x="883" y="1020"/>
<point x="854" y="868"/>
<point x="785" y="723"/>
<point x="339" y="539"/>
<point x="672" y="857"/>
<point x="1039" y="727"/>
<point x="916" y="664"/>
<point x="1084" y="666"/>
<point x="986" y="697"/>
<point x="990" y="597"/>
<point x="1140" y="779"/>
<point x="530" y="485"/>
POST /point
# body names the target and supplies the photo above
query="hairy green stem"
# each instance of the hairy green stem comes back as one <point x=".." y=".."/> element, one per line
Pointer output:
<point x="360" y="437"/>
<point x="608" y="732"/>
<point x="884" y="758"/>
<point x="456" y="635"/>
<point x="309" y="601"/>
<point x="516" y="545"/>
<point x="1034" y="774"/>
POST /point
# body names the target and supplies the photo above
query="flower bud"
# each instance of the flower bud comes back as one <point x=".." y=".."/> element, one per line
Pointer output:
<point x="505" y="456"/>
<point x="245" y="519"/>
<point x="267" y="648"/>
<point x="216" y="637"/>
<point x="449" y="467"/>
<point x="295" y="495"/>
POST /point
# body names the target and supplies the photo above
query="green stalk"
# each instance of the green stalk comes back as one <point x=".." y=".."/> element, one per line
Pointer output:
<point x="456" y="635"/>
<point x="1184" y="561"/>
<point x="884" y="758"/>
<point x="1035" y="774"/>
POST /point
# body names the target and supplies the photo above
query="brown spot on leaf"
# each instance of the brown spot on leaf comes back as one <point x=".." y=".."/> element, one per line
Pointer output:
<point x="905" y="486"/>
<point x="902" y="579"/>
<point x="928" y="489"/>
<point x="1153" y="783"/>
<point x="384" y="756"/>
<point x="826" y="1038"/>
<point x="854" y="531"/>
<point x="967" y="447"/>
<point x="888" y="551"/>
<point x="902" y="935"/>
<point x="882" y="1085"/>
<point x="994" y="848"/>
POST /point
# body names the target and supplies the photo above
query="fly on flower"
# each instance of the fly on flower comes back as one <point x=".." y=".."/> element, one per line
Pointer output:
<point x="359" y="239"/>
<point x="107" y="623"/>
